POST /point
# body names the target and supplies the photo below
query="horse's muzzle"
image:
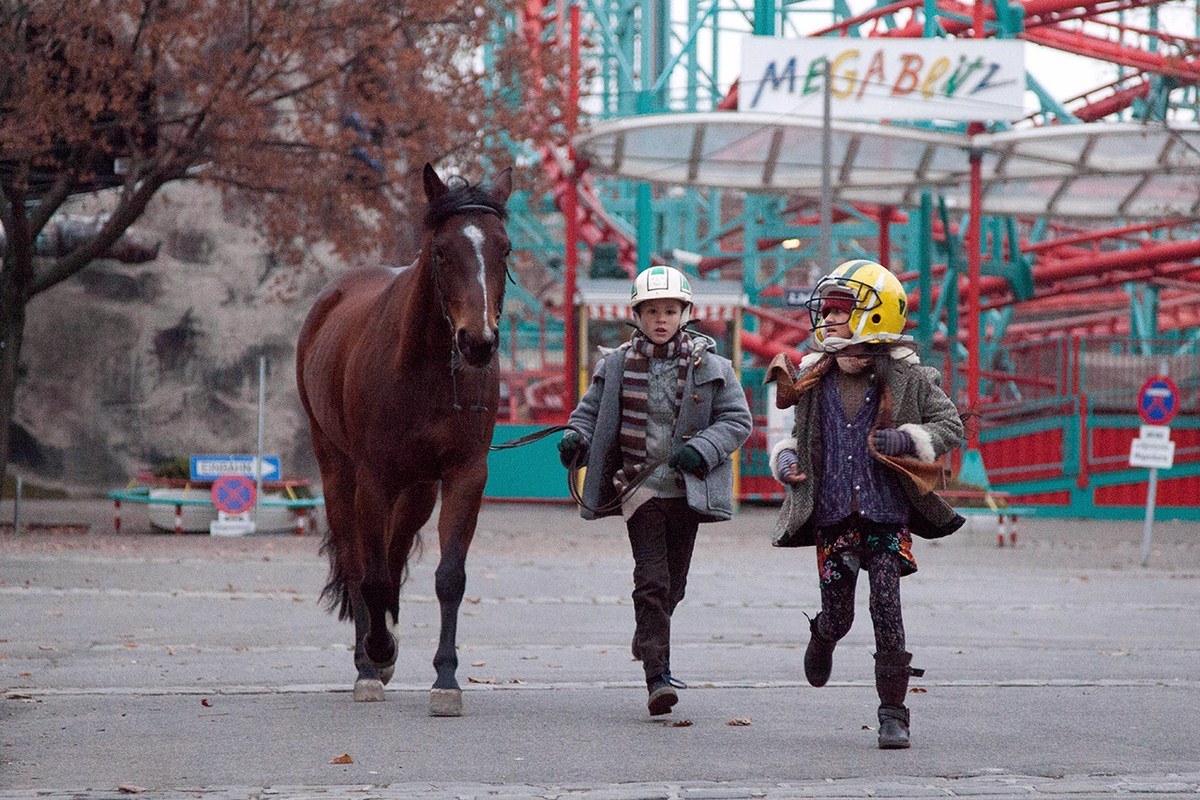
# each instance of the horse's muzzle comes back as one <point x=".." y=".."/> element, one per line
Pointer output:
<point x="476" y="350"/>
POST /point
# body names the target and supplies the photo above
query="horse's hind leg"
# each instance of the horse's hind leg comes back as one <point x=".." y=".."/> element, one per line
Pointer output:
<point x="462" y="490"/>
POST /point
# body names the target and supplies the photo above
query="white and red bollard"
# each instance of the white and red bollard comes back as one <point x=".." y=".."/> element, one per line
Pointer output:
<point x="1006" y="526"/>
<point x="178" y="519"/>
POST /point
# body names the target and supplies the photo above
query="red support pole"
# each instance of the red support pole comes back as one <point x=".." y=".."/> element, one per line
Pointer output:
<point x="1084" y="477"/>
<point x="885" y="235"/>
<point x="973" y="256"/>
<point x="974" y="334"/>
<point x="571" y="210"/>
<point x="117" y="516"/>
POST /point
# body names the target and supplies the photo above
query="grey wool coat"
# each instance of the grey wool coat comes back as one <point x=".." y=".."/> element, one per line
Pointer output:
<point x="912" y="401"/>
<point x="713" y="417"/>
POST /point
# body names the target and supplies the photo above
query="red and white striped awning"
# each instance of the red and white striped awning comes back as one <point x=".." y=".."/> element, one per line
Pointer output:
<point x="608" y="299"/>
<point x="621" y="311"/>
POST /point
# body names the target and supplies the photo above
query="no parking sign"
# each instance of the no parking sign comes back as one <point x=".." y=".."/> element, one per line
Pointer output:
<point x="234" y="496"/>
<point x="1158" y="401"/>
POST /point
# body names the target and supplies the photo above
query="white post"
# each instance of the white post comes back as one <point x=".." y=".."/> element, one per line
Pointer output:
<point x="17" y="507"/>
<point x="1151" y="494"/>
<point x="1148" y="529"/>
<point x="258" y="460"/>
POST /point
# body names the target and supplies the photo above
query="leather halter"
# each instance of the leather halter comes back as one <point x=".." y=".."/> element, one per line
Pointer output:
<point x="456" y="362"/>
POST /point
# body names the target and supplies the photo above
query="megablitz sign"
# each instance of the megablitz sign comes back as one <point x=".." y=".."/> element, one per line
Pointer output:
<point x="881" y="78"/>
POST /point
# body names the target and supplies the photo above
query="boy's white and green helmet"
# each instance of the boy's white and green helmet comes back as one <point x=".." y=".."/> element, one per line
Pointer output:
<point x="661" y="283"/>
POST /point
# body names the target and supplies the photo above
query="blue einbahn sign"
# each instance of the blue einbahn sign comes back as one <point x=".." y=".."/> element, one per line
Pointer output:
<point x="211" y="467"/>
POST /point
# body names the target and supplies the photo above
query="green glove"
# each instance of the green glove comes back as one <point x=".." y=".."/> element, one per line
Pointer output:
<point x="688" y="459"/>
<point x="571" y="449"/>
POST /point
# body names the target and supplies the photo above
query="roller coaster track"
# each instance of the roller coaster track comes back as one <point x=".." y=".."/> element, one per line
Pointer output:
<point x="539" y="26"/>
<point x="1064" y="264"/>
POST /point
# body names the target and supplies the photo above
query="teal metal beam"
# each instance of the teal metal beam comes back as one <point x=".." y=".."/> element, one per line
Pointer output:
<point x="924" y="263"/>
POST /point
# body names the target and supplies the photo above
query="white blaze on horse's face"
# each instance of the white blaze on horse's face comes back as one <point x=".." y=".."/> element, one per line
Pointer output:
<point x="472" y="269"/>
<point x="475" y="237"/>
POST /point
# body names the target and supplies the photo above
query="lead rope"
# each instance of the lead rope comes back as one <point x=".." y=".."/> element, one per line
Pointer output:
<point x="573" y="471"/>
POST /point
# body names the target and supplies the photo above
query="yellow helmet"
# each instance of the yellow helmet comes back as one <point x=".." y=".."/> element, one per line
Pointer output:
<point x="874" y="297"/>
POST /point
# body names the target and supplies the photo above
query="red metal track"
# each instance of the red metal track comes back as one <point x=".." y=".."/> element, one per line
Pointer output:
<point x="1176" y="309"/>
<point x="1073" y="263"/>
<point x="595" y="225"/>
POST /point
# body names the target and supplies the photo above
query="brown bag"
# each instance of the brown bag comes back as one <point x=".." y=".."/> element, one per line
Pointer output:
<point x="925" y="475"/>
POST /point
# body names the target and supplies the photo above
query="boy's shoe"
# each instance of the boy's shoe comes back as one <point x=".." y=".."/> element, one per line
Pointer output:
<point x="663" y="696"/>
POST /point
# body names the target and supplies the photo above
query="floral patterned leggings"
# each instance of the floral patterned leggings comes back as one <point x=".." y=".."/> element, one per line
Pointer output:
<point x="885" y="551"/>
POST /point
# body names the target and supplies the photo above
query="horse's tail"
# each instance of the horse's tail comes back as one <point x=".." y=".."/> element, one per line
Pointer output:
<point x="336" y="594"/>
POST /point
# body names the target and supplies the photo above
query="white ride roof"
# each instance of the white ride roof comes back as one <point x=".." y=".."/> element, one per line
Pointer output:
<point x="1095" y="170"/>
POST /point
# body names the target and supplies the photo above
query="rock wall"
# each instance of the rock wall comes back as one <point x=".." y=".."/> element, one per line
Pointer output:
<point x="129" y="365"/>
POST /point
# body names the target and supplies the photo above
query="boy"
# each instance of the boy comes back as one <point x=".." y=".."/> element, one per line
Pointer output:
<point x="656" y="430"/>
<point x="870" y="426"/>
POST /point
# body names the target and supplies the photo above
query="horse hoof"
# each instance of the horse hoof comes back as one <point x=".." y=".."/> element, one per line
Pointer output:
<point x="368" y="690"/>
<point x="386" y="674"/>
<point x="445" y="702"/>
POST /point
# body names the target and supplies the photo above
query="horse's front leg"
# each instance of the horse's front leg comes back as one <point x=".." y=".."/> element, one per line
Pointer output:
<point x="375" y="599"/>
<point x="462" y="491"/>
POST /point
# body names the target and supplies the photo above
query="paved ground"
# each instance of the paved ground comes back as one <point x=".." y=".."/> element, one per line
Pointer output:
<point x="190" y="667"/>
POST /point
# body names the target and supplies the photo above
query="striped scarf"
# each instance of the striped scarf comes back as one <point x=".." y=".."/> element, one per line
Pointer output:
<point x="635" y="398"/>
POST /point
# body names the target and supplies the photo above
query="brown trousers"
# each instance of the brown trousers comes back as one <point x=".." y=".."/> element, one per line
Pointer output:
<point x="662" y="535"/>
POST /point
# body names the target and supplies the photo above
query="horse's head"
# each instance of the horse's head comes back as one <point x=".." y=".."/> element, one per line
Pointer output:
<point x="468" y="248"/>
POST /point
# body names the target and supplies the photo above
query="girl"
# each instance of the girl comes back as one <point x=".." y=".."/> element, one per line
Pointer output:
<point x="870" y="425"/>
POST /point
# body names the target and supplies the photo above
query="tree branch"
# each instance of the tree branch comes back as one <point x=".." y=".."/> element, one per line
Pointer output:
<point x="50" y="202"/>
<point x="6" y="216"/>
<point x="117" y="223"/>
<point x="18" y="246"/>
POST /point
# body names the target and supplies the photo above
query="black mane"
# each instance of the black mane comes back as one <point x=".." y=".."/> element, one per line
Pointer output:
<point x="459" y="195"/>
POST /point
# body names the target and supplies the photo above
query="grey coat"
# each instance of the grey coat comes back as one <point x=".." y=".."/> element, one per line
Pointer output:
<point x="713" y="418"/>
<point x="914" y="402"/>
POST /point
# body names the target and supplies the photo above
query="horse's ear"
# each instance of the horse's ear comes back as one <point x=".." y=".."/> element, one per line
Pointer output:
<point x="434" y="188"/>
<point x="502" y="185"/>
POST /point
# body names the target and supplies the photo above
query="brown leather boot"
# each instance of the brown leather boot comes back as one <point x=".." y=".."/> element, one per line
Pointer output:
<point x="818" y="658"/>
<point x="892" y="671"/>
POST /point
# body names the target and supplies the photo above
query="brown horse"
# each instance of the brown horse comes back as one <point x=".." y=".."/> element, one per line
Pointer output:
<point x="396" y="369"/>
